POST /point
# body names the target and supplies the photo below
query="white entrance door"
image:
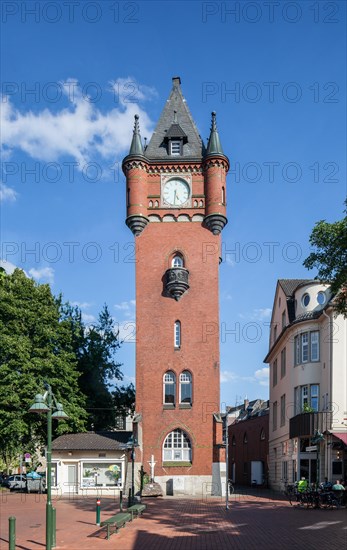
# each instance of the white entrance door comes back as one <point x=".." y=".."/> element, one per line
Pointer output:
<point x="72" y="481"/>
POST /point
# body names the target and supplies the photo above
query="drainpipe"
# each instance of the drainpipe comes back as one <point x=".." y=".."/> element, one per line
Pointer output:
<point x="328" y="451"/>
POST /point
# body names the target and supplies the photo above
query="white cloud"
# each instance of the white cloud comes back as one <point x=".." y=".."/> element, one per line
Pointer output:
<point x="127" y="308"/>
<point x="87" y="317"/>
<point x="9" y="267"/>
<point x="262" y="376"/>
<point x="80" y="130"/>
<point x="262" y="313"/>
<point x="7" y="193"/>
<point x="45" y="273"/>
<point x="228" y="376"/>
<point x="258" y="314"/>
<point x="230" y="262"/>
<point x="81" y="305"/>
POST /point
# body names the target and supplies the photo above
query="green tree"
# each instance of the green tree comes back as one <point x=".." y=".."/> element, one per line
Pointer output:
<point x="329" y="256"/>
<point x="36" y="345"/>
<point x="95" y="348"/>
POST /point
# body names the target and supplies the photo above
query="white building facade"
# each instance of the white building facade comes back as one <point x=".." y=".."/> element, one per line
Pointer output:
<point x="308" y="385"/>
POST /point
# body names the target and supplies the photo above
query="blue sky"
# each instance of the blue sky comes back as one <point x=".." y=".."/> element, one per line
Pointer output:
<point x="275" y="74"/>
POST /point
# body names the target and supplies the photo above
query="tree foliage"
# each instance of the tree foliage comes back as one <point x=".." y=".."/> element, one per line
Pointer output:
<point x="44" y="339"/>
<point x="95" y="347"/>
<point x="36" y="346"/>
<point x="329" y="256"/>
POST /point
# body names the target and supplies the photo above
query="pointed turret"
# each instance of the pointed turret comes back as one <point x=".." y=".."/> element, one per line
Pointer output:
<point x="214" y="145"/>
<point x="136" y="143"/>
<point x="216" y="167"/>
<point x="134" y="167"/>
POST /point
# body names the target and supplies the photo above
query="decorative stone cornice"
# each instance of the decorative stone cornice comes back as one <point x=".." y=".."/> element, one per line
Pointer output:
<point x="216" y="162"/>
<point x="174" y="168"/>
<point x="134" y="163"/>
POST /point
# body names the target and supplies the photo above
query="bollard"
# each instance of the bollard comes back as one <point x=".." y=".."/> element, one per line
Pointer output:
<point x="98" y="512"/>
<point x="54" y="527"/>
<point x="12" y="533"/>
<point x="121" y="501"/>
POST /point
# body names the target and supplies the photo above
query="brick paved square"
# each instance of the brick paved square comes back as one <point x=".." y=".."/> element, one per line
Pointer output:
<point x="252" y="522"/>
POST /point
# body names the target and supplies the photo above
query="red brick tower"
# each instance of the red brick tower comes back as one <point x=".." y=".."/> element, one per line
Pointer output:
<point x="176" y="208"/>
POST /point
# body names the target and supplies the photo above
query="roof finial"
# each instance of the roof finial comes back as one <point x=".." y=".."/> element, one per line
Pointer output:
<point x="214" y="146"/>
<point x="136" y="144"/>
<point x="214" y="122"/>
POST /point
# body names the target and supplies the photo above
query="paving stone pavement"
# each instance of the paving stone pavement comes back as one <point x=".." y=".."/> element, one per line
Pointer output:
<point x="252" y="523"/>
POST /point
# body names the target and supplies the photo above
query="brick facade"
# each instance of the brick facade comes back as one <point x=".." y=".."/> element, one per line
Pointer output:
<point x="248" y="441"/>
<point x="163" y="231"/>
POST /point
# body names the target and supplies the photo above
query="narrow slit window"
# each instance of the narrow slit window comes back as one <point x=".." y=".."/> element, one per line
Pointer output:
<point x="177" y="334"/>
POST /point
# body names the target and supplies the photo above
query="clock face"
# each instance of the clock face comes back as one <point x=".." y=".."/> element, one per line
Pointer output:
<point x="176" y="192"/>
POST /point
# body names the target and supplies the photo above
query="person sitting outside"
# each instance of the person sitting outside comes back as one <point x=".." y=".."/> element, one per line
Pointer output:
<point x="338" y="489"/>
<point x="302" y="485"/>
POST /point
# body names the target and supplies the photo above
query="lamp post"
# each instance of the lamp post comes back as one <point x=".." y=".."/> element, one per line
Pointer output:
<point x="226" y="461"/>
<point x="47" y="404"/>
<point x="133" y="445"/>
<point x="317" y="438"/>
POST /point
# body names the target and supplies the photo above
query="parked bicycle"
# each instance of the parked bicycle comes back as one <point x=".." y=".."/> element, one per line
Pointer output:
<point x="231" y="487"/>
<point x="311" y="498"/>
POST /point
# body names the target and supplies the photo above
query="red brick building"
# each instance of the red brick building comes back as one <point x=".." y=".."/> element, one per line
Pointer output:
<point x="249" y="444"/>
<point x="176" y="208"/>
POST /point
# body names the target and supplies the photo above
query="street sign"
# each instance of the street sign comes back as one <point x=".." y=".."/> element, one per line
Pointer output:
<point x="312" y="448"/>
<point x="27" y="455"/>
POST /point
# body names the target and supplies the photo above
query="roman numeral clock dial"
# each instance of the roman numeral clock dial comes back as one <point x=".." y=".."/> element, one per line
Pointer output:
<point x="176" y="192"/>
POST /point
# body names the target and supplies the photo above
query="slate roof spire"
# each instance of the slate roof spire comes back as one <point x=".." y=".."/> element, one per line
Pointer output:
<point x="136" y="143"/>
<point x="214" y="146"/>
<point x="175" y="119"/>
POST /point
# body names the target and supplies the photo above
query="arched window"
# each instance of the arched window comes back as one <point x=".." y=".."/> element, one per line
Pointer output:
<point x="169" y="382"/>
<point x="177" y="261"/>
<point x="177" y="447"/>
<point x="262" y="434"/>
<point x="177" y="334"/>
<point x="223" y="195"/>
<point x="186" y="387"/>
<point x="245" y="440"/>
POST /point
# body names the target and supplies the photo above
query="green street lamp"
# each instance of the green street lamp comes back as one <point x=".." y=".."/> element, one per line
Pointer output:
<point x="47" y="404"/>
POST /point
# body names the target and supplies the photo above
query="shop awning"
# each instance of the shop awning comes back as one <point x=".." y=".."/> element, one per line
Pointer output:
<point x="342" y="436"/>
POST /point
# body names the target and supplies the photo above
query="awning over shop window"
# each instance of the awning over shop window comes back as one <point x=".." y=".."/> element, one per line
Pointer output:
<point x="342" y="436"/>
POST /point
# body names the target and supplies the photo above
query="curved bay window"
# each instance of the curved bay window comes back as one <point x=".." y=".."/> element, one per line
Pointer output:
<point x="177" y="447"/>
<point x="169" y="382"/>
<point x="186" y="388"/>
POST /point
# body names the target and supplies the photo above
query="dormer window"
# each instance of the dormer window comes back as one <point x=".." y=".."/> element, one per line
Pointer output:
<point x="175" y="138"/>
<point x="175" y="147"/>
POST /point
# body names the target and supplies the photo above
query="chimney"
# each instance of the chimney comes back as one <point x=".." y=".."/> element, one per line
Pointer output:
<point x="176" y="81"/>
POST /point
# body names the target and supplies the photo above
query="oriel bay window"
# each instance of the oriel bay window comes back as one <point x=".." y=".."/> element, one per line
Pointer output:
<point x="306" y="398"/>
<point x="306" y="347"/>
